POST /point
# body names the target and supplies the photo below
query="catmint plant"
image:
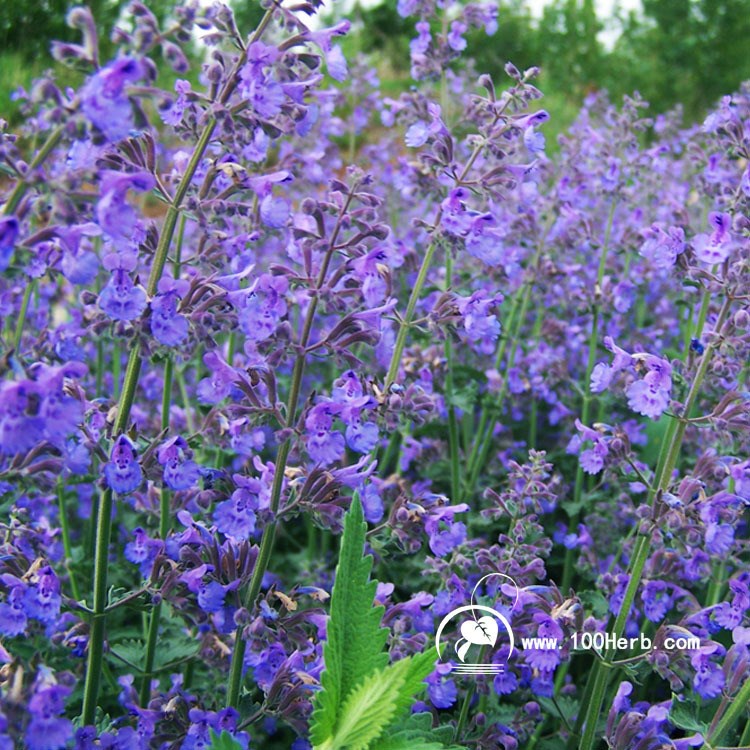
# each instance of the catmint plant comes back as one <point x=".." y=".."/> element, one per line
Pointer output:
<point x="294" y="368"/>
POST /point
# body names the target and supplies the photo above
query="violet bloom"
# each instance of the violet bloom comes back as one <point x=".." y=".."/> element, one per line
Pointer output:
<point x="48" y="729"/>
<point x="173" y="115"/>
<point x="264" y="307"/>
<point x="8" y="237"/>
<point x="662" y="246"/>
<point x="656" y="600"/>
<point x="324" y="444"/>
<point x="484" y="240"/>
<point x="455" y="39"/>
<point x="142" y="550"/>
<point x="236" y="517"/>
<point x="481" y="326"/>
<point x="42" y="600"/>
<point x="113" y="213"/>
<point x="105" y="102"/>
<point x="180" y="472"/>
<point x="168" y="326"/>
<point x="709" y="678"/>
<point x="421" y="43"/>
<point x="715" y="247"/>
<point x="545" y="658"/>
<point x="121" y="299"/>
<point x="123" y="472"/>
<point x="445" y="534"/>
<point x="13" y="617"/>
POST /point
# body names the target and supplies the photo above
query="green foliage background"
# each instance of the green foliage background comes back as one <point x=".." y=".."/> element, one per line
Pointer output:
<point x="689" y="52"/>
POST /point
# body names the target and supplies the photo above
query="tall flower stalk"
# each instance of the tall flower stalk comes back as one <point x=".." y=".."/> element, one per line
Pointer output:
<point x="94" y="663"/>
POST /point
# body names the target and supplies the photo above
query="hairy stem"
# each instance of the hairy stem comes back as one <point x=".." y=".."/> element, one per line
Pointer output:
<point x="642" y="548"/>
<point x="452" y="420"/>
<point x="65" y="530"/>
<point x="103" y="531"/>
<point x="269" y="532"/>
<point x="587" y="398"/>
<point x="21" y="187"/>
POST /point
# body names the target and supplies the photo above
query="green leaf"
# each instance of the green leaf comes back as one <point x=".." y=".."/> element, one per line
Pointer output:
<point x="373" y="706"/>
<point x="684" y="715"/>
<point x="564" y="707"/>
<point x="223" y="741"/>
<point x="369" y="710"/>
<point x="417" y="733"/>
<point x="594" y="602"/>
<point x="354" y="639"/>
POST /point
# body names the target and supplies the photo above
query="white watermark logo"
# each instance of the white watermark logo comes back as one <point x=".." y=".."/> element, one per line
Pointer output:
<point x="482" y="631"/>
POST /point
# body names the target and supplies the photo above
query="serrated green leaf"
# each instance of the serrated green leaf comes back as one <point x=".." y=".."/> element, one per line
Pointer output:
<point x="417" y="669"/>
<point x="684" y="715"/>
<point x="369" y="709"/>
<point x="564" y="707"/>
<point x="594" y="602"/>
<point x="223" y="741"/>
<point x="417" y="733"/>
<point x="354" y="639"/>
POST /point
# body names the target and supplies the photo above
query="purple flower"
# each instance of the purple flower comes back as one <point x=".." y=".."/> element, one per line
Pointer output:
<point x="173" y="115"/>
<point x="104" y="99"/>
<point x="656" y="601"/>
<point x="709" y="677"/>
<point x="455" y="41"/>
<point x="47" y="730"/>
<point x="8" y="237"/>
<point x="481" y="326"/>
<point x="13" y="617"/>
<point x="372" y="503"/>
<point x="123" y="472"/>
<point x="142" y="550"/>
<point x="113" y="213"/>
<point x="42" y="600"/>
<point x="120" y="298"/>
<point x="218" y="385"/>
<point x="662" y="246"/>
<point x="168" y="326"/>
<point x="484" y="240"/>
<point x="264" y="307"/>
<point x="180" y="473"/>
<point x="715" y="247"/>
<point x="235" y="517"/>
<point x="324" y="444"/>
<point x="441" y="691"/>
<point x="444" y="533"/>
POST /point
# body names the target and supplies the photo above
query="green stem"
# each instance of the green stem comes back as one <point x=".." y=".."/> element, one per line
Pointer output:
<point x="463" y="715"/>
<point x="269" y="532"/>
<point x="101" y="553"/>
<point x="452" y="420"/>
<point x="587" y="397"/>
<point x="21" y="187"/>
<point x="745" y="739"/>
<point x="534" y="414"/>
<point x="642" y="546"/>
<point x="164" y="525"/>
<point x="411" y="306"/>
<point x="27" y="292"/>
<point x="727" y="721"/>
<point x="67" y="548"/>
<point x="490" y="415"/>
<point x="405" y="323"/>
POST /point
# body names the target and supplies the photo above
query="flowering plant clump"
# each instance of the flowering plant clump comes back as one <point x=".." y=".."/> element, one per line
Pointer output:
<point x="271" y="303"/>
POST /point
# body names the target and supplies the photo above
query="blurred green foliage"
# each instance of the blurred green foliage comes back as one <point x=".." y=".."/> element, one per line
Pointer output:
<point x="687" y="52"/>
